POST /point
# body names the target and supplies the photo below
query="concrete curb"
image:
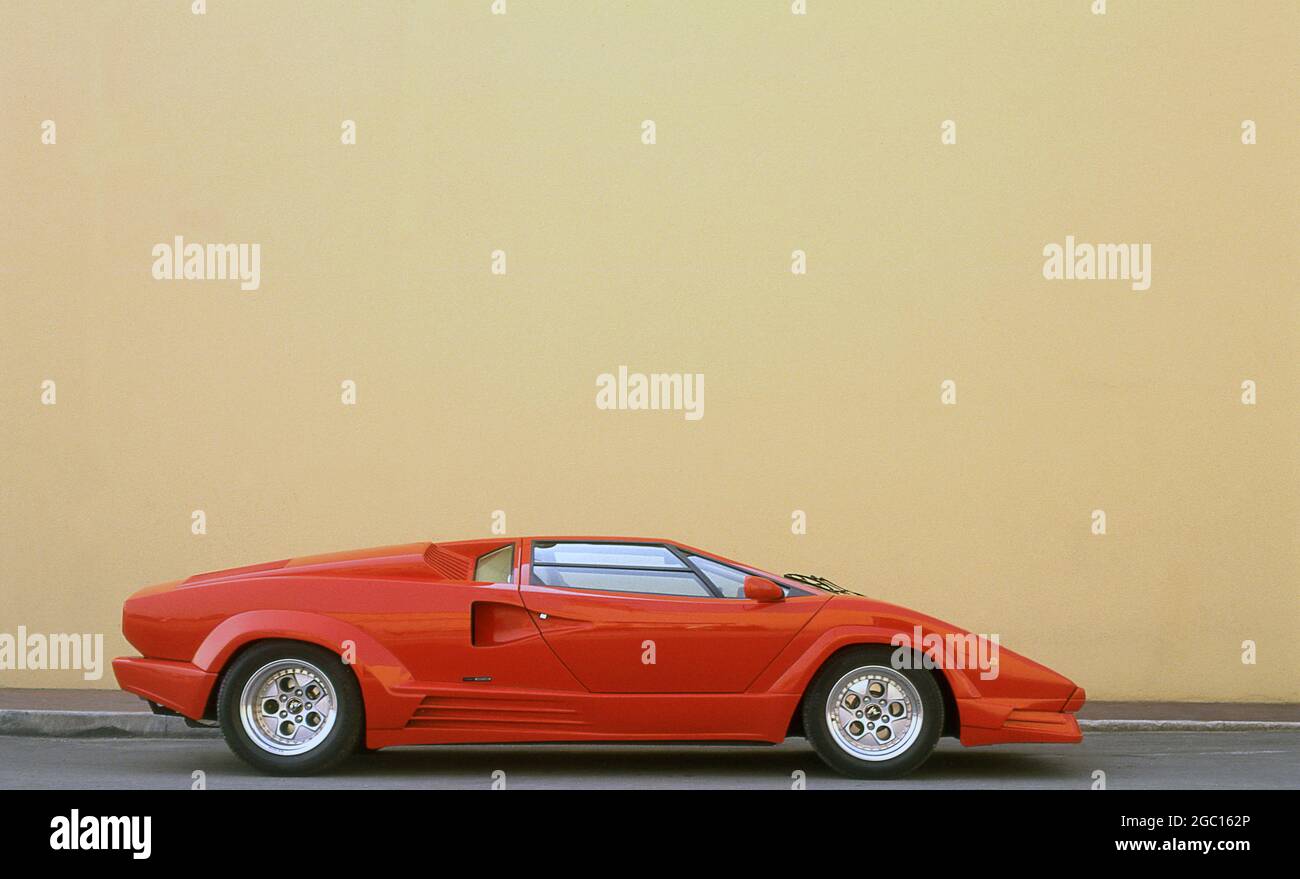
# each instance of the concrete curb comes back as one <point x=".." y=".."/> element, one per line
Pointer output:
<point x="1188" y="725"/>
<point x="96" y="724"/>
<point x="140" y="724"/>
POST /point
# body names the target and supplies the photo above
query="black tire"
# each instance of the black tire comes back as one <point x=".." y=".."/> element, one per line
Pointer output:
<point x="338" y="743"/>
<point x="816" y="722"/>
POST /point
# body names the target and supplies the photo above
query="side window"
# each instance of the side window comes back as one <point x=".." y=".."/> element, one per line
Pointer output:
<point x="729" y="581"/>
<point x="497" y="566"/>
<point x="622" y="580"/>
<point x="615" y="567"/>
<point x="614" y="555"/>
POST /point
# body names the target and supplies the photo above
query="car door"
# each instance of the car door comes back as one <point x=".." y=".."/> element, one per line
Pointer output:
<point x="644" y="618"/>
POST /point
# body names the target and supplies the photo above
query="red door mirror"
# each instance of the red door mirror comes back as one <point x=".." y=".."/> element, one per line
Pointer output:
<point x="761" y="589"/>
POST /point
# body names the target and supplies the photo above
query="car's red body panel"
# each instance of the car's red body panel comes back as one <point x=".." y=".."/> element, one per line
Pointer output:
<point x="442" y="658"/>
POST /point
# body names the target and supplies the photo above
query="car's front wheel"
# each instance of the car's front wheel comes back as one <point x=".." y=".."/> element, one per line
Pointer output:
<point x="290" y="708"/>
<point x="867" y="719"/>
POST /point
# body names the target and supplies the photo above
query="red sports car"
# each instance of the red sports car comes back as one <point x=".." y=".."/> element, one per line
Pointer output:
<point x="569" y="639"/>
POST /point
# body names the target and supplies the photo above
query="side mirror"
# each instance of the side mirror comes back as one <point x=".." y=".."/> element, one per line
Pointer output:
<point x="761" y="589"/>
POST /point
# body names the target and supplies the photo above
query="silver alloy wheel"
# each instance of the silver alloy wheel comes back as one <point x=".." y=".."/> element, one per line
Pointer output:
<point x="288" y="707"/>
<point x="874" y="713"/>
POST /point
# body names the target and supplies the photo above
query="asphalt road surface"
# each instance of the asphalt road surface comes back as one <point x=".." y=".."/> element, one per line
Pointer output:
<point x="1129" y="759"/>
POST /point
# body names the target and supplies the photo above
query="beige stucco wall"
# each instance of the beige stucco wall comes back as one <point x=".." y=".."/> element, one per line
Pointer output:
<point x="476" y="392"/>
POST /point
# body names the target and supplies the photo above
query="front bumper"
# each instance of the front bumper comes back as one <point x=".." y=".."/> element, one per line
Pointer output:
<point x="1003" y="721"/>
<point x="180" y="686"/>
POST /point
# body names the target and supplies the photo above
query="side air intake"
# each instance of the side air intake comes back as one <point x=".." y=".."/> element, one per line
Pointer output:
<point x="449" y="565"/>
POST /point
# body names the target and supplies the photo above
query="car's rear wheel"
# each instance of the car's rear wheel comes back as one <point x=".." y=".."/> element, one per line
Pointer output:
<point x="290" y="708"/>
<point x="867" y="719"/>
